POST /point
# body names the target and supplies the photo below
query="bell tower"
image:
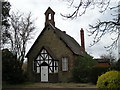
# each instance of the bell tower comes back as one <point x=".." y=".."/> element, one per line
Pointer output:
<point x="49" y="16"/>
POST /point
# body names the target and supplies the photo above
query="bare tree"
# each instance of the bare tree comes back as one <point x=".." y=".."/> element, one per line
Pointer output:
<point x="101" y="27"/>
<point x="81" y="6"/>
<point x="110" y="57"/>
<point x="20" y="31"/>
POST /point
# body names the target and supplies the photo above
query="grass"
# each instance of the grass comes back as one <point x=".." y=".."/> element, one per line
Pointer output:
<point x="50" y="85"/>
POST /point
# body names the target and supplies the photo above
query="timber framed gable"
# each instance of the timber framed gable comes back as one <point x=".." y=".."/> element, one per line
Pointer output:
<point x="45" y="58"/>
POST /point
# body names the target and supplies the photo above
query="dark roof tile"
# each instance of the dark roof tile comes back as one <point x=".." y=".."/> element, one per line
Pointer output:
<point x="68" y="40"/>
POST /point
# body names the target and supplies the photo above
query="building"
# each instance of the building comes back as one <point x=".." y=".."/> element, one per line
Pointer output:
<point x="52" y="56"/>
<point x="103" y="62"/>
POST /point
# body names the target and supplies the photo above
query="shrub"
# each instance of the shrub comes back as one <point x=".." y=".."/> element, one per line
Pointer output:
<point x="97" y="71"/>
<point x="11" y="70"/>
<point x="109" y="80"/>
<point x="82" y="67"/>
<point x="116" y="66"/>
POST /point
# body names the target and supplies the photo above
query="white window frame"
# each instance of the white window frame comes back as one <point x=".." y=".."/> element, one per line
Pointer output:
<point x="38" y="69"/>
<point x="56" y="67"/>
<point x="64" y="64"/>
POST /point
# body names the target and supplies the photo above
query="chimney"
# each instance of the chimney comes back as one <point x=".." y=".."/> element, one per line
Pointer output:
<point x="82" y="38"/>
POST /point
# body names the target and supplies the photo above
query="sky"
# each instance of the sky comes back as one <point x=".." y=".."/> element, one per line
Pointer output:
<point x="72" y="27"/>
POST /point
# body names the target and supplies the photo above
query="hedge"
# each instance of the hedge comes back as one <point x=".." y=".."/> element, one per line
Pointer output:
<point x="96" y="71"/>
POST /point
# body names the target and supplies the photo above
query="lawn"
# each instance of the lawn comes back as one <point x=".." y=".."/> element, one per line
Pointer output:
<point x="51" y="85"/>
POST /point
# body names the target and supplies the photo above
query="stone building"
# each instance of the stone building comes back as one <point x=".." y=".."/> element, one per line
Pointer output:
<point x="52" y="56"/>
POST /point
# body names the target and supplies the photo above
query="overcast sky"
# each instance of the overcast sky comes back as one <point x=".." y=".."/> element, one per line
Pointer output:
<point x="72" y="27"/>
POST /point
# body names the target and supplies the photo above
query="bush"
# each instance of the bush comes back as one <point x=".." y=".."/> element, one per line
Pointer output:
<point x="82" y="67"/>
<point x="97" y="71"/>
<point x="109" y="80"/>
<point x="11" y="70"/>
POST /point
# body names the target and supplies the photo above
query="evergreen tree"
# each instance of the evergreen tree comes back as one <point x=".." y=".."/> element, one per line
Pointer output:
<point x="82" y="68"/>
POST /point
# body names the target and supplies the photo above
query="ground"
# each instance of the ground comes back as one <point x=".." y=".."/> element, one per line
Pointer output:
<point x="51" y="85"/>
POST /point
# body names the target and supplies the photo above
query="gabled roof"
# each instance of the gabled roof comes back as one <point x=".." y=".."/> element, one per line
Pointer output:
<point x="68" y="40"/>
<point x="49" y="10"/>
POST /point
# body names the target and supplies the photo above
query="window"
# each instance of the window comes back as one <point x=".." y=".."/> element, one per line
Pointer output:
<point x="38" y="69"/>
<point x="49" y="17"/>
<point x="64" y="64"/>
<point x="55" y="66"/>
<point x="34" y="66"/>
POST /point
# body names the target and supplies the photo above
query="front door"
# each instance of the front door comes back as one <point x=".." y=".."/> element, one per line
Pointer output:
<point x="44" y="73"/>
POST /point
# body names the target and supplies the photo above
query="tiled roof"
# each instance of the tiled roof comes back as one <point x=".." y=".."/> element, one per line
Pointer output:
<point x="70" y="42"/>
<point x="102" y="60"/>
<point x="67" y="39"/>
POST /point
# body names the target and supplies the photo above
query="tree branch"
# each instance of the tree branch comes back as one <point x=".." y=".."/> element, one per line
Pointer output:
<point x="103" y="28"/>
<point x="84" y="5"/>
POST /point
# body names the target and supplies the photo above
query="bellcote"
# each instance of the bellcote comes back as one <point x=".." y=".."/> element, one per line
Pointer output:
<point x="49" y="16"/>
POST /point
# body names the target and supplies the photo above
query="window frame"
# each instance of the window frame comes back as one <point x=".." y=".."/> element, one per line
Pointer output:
<point x="65" y="64"/>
